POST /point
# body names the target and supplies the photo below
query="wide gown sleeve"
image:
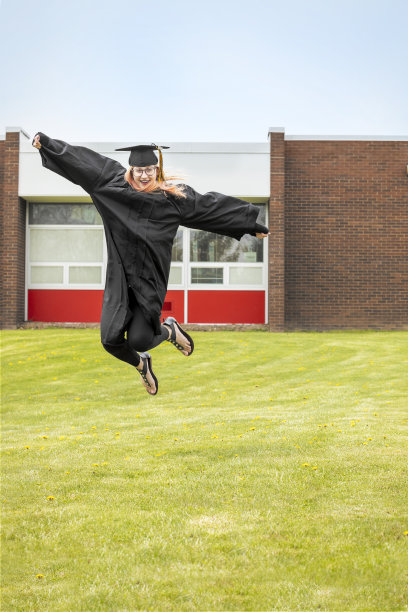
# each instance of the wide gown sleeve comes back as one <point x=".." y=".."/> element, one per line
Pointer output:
<point x="79" y="165"/>
<point x="218" y="213"/>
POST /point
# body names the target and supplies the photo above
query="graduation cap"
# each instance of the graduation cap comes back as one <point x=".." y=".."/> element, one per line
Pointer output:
<point x="143" y="155"/>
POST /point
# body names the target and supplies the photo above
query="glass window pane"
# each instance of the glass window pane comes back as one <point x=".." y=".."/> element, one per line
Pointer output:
<point x="262" y="214"/>
<point x="245" y="276"/>
<point x="63" y="214"/>
<point x="66" y="245"/>
<point x="206" y="246"/>
<point x="47" y="274"/>
<point x="213" y="276"/>
<point x="85" y="274"/>
<point x="175" y="275"/>
<point x="177" y="250"/>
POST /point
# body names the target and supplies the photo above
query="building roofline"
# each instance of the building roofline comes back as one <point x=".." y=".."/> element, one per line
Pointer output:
<point x="17" y="129"/>
<point x="344" y="137"/>
<point x="175" y="147"/>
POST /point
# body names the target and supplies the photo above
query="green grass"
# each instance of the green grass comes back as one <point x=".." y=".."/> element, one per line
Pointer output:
<point x="269" y="473"/>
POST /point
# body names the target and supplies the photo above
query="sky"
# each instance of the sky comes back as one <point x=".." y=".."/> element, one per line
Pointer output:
<point x="203" y="71"/>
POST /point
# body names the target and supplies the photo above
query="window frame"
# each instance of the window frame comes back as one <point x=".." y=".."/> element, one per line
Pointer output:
<point x="64" y="264"/>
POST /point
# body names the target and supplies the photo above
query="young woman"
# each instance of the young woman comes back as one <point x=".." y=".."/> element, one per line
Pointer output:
<point x="141" y="212"/>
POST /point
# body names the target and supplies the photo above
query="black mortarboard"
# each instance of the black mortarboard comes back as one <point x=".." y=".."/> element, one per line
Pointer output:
<point x="143" y="155"/>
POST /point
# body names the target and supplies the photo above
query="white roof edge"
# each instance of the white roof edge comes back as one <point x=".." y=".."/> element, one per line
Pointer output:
<point x="17" y="129"/>
<point x="344" y="137"/>
<point x="276" y="129"/>
<point x="175" y="147"/>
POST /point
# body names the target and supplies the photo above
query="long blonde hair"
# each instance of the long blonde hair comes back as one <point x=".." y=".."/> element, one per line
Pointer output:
<point x="155" y="185"/>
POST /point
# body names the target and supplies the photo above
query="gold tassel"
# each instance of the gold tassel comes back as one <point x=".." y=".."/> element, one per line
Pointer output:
<point x="161" y="175"/>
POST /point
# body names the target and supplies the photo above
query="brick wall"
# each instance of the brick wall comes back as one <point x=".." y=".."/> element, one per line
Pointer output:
<point x="346" y="245"/>
<point x="276" y="240"/>
<point x="12" y="217"/>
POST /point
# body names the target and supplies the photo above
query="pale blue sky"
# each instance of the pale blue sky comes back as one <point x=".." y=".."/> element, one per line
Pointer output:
<point x="213" y="70"/>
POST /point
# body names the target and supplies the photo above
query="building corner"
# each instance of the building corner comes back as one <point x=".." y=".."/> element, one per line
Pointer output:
<point x="12" y="232"/>
<point x="276" y="246"/>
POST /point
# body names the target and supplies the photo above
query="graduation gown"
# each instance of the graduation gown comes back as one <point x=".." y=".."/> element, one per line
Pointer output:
<point x="140" y="228"/>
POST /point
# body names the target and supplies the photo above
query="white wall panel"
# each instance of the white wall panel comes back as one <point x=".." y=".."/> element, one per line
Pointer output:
<point x="238" y="169"/>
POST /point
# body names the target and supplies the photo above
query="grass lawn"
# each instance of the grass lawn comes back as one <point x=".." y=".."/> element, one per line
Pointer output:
<point x="269" y="473"/>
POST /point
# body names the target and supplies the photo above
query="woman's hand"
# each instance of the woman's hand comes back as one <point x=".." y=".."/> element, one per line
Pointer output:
<point x="262" y="235"/>
<point x="36" y="142"/>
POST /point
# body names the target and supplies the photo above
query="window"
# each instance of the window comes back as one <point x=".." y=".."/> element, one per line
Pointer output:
<point x="66" y="249"/>
<point x="211" y="276"/>
<point x="66" y="246"/>
<point x="63" y="214"/>
<point x="176" y="267"/>
<point x="235" y="260"/>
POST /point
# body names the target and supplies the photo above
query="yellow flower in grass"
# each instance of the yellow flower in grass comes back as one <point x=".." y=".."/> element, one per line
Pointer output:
<point x="314" y="467"/>
<point x="305" y="464"/>
<point x="406" y="533"/>
<point x="50" y="497"/>
<point x="39" y="576"/>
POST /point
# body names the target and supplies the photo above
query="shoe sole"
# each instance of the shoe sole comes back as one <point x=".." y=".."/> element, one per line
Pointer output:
<point x="185" y="334"/>
<point x="148" y="357"/>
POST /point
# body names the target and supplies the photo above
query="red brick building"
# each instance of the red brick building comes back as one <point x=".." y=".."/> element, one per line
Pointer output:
<point x="337" y="257"/>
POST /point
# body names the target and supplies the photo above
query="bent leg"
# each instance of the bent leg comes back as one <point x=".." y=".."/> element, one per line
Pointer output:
<point x="113" y="335"/>
<point x="123" y="351"/>
<point x="140" y="334"/>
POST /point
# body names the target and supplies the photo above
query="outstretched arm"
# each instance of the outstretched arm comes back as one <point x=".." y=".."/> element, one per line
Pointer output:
<point x="79" y="165"/>
<point x="221" y="214"/>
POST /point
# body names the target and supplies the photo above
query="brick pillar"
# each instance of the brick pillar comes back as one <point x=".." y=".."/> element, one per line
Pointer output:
<point x="12" y="233"/>
<point x="276" y="272"/>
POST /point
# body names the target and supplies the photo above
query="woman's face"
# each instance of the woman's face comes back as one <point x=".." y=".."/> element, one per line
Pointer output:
<point x="144" y="176"/>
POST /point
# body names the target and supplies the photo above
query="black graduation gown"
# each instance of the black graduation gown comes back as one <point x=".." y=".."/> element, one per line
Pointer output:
<point x="140" y="227"/>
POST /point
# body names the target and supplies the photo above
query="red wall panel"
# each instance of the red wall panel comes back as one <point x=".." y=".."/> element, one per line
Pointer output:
<point x="65" y="305"/>
<point x="226" y="306"/>
<point x="173" y="305"/>
<point x="84" y="306"/>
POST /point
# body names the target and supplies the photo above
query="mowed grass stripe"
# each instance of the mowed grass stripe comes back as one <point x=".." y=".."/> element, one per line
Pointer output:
<point x="268" y="473"/>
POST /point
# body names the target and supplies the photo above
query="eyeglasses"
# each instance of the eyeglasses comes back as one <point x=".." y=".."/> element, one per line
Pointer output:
<point x="150" y="170"/>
